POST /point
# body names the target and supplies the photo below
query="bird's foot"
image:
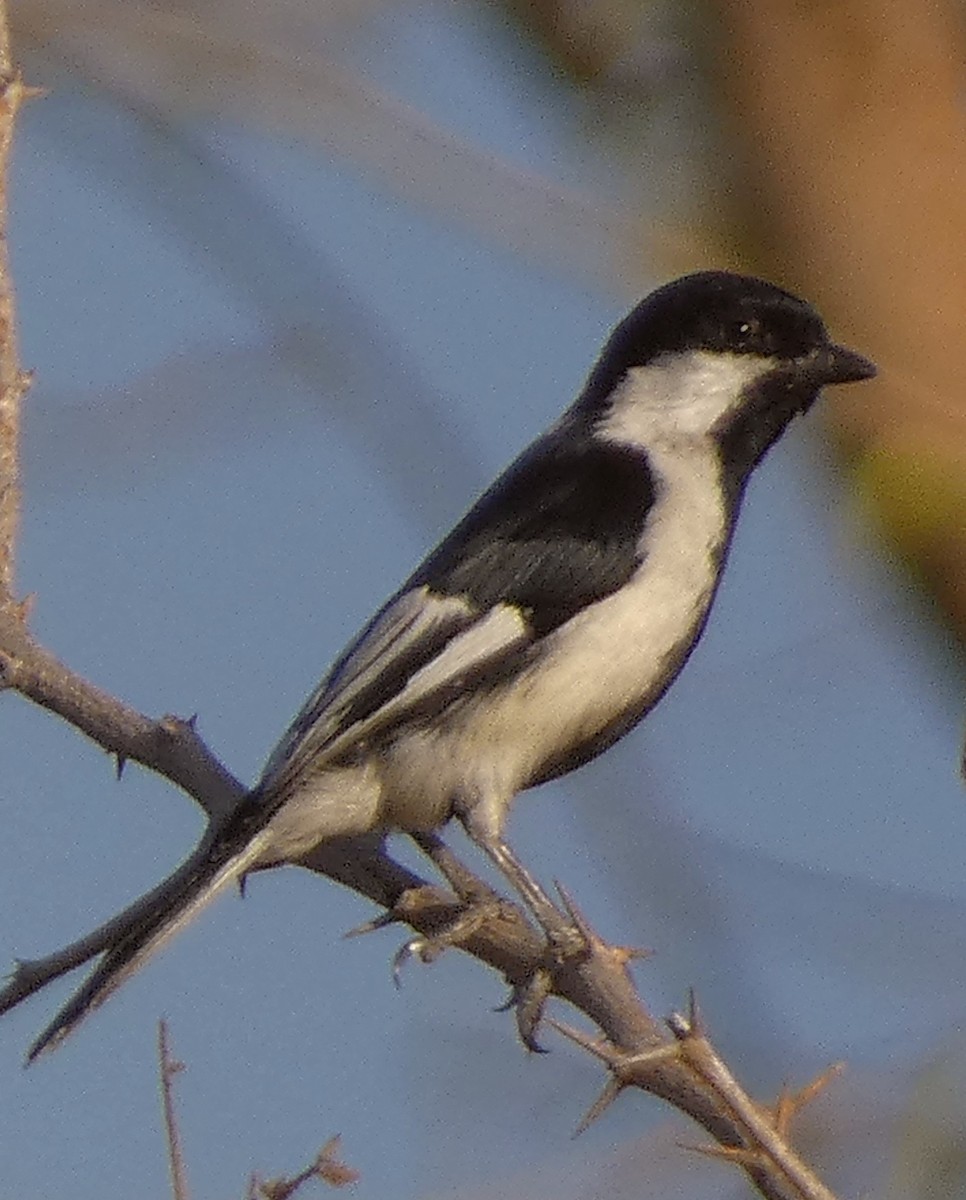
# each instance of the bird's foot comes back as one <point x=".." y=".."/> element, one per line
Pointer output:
<point x="528" y="999"/>
<point x="455" y="932"/>
<point x="567" y="931"/>
<point x="445" y="922"/>
<point x="566" y="945"/>
<point x="480" y="905"/>
<point x="570" y="942"/>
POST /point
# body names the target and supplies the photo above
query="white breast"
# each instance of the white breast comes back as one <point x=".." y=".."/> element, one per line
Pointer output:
<point x="596" y="667"/>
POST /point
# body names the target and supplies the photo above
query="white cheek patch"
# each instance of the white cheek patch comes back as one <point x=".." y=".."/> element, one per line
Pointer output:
<point x="680" y="396"/>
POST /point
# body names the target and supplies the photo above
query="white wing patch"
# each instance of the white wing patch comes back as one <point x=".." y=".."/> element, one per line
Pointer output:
<point x="396" y="634"/>
<point x="497" y="630"/>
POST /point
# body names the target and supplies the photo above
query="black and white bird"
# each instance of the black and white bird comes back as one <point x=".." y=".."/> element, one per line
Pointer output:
<point x="552" y="618"/>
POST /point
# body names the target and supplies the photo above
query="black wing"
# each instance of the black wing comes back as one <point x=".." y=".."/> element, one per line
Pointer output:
<point x="559" y="530"/>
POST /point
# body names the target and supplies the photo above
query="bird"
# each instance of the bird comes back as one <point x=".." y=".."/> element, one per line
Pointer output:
<point x="544" y="627"/>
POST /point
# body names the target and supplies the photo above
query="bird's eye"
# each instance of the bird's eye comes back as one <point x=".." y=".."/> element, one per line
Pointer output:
<point x="746" y="333"/>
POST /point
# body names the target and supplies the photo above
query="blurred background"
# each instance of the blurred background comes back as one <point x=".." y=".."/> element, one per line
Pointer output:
<point x="296" y="280"/>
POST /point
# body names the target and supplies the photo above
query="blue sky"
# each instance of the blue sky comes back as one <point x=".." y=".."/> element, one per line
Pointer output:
<point x="250" y="419"/>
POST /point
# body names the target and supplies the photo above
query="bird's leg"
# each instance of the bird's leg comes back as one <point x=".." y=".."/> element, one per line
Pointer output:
<point x="480" y="905"/>
<point x="468" y="886"/>
<point x="565" y="939"/>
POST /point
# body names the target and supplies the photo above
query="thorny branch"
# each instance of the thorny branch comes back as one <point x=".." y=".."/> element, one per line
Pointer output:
<point x="673" y="1060"/>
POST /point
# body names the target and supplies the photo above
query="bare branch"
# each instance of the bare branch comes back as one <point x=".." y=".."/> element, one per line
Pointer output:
<point x="766" y="1146"/>
<point x="326" y="1165"/>
<point x="13" y="383"/>
<point x="683" y="1068"/>
<point x="168" y="1068"/>
<point x="170" y="746"/>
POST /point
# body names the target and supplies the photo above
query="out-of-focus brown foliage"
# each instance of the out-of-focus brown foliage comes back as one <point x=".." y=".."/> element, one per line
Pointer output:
<point x="850" y="128"/>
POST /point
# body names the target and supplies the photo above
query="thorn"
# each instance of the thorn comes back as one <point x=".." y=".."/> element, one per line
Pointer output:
<point x="119" y="765"/>
<point x="695" y="1015"/>
<point x="690" y="1026"/>
<point x="192" y="722"/>
<point x="629" y="954"/>
<point x="23" y="609"/>
<point x="739" y="1155"/>
<point x="242" y="884"/>
<point x="611" y="1090"/>
<point x="783" y="1109"/>
<point x="599" y="1047"/>
<point x="25" y="91"/>
<point x="174" y="1067"/>
<point x="790" y="1103"/>
<point x="818" y="1085"/>
<point x="381" y="922"/>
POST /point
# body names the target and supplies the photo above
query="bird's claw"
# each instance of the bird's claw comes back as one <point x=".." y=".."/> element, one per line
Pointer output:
<point x="427" y="947"/>
<point x="570" y="940"/>
<point x="415" y="947"/>
<point x="528" y="1000"/>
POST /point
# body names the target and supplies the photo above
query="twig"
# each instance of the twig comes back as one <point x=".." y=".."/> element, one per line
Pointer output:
<point x="766" y="1131"/>
<point x="326" y="1166"/>
<point x="168" y="1068"/>
<point x="13" y="383"/>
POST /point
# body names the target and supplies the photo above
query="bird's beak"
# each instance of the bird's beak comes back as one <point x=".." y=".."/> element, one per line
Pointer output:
<point x="838" y="364"/>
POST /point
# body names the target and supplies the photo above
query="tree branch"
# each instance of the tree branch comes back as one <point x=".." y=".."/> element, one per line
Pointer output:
<point x="169" y="746"/>
<point x="678" y="1064"/>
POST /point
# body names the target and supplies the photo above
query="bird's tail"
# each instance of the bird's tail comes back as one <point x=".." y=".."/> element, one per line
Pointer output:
<point x="154" y="920"/>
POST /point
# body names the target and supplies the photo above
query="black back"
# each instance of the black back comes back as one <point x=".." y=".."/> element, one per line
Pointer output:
<point x="556" y="532"/>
